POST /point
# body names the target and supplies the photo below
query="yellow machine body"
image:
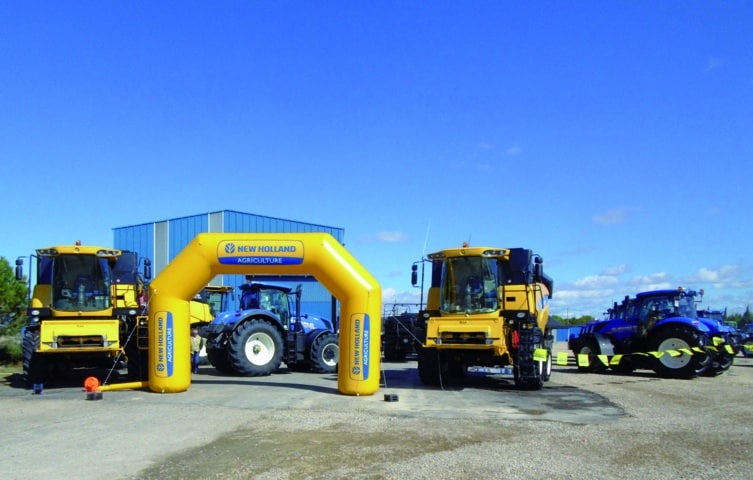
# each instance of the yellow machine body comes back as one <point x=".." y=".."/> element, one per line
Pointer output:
<point x="89" y="328"/>
<point x="486" y="307"/>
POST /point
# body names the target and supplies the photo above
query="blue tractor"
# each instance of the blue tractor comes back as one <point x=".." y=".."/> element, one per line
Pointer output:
<point x="267" y="330"/>
<point x="658" y="330"/>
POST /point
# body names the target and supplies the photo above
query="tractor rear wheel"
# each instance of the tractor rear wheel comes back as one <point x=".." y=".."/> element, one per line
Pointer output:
<point x="255" y="348"/>
<point x="325" y="353"/>
<point x="675" y="337"/>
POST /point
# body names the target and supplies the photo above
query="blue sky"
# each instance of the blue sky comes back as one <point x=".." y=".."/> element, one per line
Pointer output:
<point x="613" y="138"/>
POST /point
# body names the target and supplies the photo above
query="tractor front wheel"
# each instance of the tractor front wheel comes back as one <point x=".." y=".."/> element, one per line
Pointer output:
<point x="591" y="348"/>
<point x="325" y="353"/>
<point x="218" y="359"/>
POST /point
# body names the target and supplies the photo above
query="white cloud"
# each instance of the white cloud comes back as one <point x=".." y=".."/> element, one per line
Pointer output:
<point x="616" y="270"/>
<point x="595" y="282"/>
<point x="512" y="151"/>
<point x="589" y="294"/>
<point x="392" y="295"/>
<point x="653" y="281"/>
<point x="392" y="237"/>
<point x="714" y="62"/>
<point x="611" y="217"/>
<point x="724" y="276"/>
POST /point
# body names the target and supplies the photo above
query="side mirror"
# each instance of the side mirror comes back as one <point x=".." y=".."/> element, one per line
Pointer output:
<point x="538" y="270"/>
<point x="147" y="269"/>
<point x="414" y="275"/>
<point x="19" y="269"/>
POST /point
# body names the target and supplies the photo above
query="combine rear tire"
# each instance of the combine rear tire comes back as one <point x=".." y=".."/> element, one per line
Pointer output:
<point x="675" y="337"/>
<point x="35" y="368"/>
<point x="255" y="348"/>
<point x="325" y="353"/>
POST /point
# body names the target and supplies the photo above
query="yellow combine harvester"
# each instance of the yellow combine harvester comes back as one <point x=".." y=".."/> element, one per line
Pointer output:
<point x="85" y="309"/>
<point x="486" y="307"/>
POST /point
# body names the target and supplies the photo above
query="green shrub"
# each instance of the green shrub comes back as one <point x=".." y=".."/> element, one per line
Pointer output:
<point x="10" y="349"/>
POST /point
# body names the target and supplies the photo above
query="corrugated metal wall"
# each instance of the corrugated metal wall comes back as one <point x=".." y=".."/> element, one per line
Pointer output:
<point x="138" y="238"/>
<point x="162" y="240"/>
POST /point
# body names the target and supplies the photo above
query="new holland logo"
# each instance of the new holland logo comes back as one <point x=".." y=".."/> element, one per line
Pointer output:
<point x="260" y="252"/>
<point x="359" y="340"/>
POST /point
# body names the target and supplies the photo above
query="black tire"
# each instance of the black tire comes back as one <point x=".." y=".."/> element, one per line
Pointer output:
<point x="431" y="369"/>
<point x="528" y="373"/>
<point x="255" y="348"/>
<point x="392" y="354"/>
<point x="590" y="347"/>
<point x="137" y="363"/>
<point x="675" y="337"/>
<point x="547" y="372"/>
<point x="217" y="357"/>
<point x="720" y="362"/>
<point x="625" y="366"/>
<point x="325" y="353"/>
<point x="35" y="367"/>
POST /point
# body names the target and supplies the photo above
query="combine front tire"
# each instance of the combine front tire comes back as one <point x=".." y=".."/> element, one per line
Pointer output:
<point x="137" y="363"/>
<point x="675" y="337"/>
<point x="432" y="370"/>
<point x="528" y="373"/>
<point x="325" y="353"/>
<point x="255" y="348"/>
<point x="35" y="368"/>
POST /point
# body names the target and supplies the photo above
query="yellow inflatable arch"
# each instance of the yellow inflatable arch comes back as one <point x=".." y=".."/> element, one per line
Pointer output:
<point x="317" y="254"/>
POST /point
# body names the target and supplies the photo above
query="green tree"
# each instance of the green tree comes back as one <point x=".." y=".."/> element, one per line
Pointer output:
<point x="12" y="318"/>
<point x="12" y="297"/>
<point x="734" y="318"/>
<point x="573" y="320"/>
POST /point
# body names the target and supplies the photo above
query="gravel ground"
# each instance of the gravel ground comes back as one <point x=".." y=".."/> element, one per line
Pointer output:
<point x="296" y="426"/>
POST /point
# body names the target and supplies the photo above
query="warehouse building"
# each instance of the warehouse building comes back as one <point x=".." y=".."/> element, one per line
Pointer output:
<point x="161" y="241"/>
